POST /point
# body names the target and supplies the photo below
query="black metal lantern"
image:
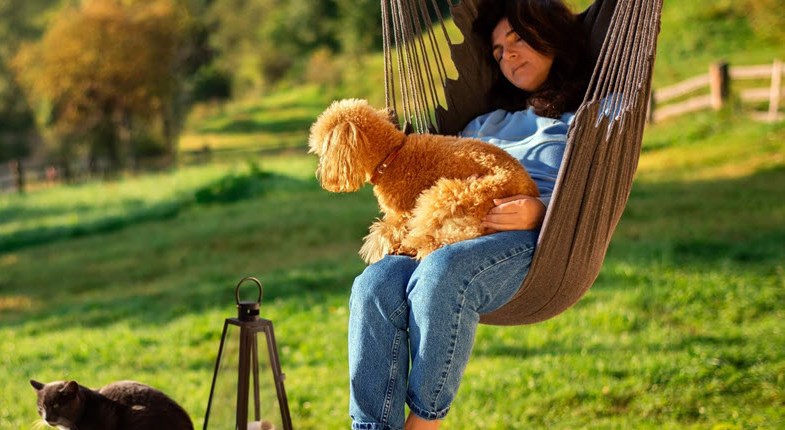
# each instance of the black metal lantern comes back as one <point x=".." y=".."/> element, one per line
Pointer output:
<point x="246" y="371"/>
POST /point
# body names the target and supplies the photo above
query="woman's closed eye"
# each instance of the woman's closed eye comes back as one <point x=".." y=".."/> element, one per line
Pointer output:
<point x="512" y="39"/>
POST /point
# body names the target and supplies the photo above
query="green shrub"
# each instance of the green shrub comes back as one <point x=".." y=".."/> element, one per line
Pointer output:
<point x="234" y="187"/>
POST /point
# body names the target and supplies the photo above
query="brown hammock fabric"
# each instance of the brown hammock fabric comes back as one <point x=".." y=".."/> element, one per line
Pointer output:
<point x="603" y="142"/>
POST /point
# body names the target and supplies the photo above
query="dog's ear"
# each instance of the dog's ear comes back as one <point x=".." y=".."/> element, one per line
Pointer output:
<point x="339" y="170"/>
<point x="317" y="140"/>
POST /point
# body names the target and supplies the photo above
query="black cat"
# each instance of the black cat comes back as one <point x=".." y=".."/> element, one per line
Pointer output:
<point x="122" y="405"/>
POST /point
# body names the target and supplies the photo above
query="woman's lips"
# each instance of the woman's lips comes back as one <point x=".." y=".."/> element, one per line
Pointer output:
<point x="518" y="67"/>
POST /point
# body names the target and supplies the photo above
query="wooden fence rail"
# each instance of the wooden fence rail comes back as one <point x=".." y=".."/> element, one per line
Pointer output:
<point x="718" y="81"/>
<point x="20" y="175"/>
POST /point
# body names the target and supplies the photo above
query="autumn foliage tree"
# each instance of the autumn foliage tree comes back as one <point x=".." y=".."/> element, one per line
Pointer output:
<point x="18" y="130"/>
<point x="109" y="72"/>
<point x="767" y="18"/>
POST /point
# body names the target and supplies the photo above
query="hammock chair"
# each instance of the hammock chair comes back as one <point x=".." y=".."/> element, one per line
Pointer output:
<point x="603" y="141"/>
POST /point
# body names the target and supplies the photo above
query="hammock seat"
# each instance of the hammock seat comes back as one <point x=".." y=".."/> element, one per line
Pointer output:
<point x="603" y="142"/>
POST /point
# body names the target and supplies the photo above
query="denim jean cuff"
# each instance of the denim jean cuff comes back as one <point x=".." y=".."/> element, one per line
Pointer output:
<point x="424" y="413"/>
<point x="371" y="426"/>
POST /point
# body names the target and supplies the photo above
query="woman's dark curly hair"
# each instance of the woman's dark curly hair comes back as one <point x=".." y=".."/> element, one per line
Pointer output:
<point x="551" y="28"/>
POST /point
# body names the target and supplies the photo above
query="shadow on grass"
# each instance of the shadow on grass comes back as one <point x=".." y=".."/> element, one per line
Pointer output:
<point x="559" y="348"/>
<point x="22" y="211"/>
<point x="231" y="188"/>
<point x="141" y="306"/>
<point x="705" y="222"/>
<point x="303" y="103"/>
<point x="236" y="187"/>
<point x="43" y="235"/>
<point x="758" y="247"/>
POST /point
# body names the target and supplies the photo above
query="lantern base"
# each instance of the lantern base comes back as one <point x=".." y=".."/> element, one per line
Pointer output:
<point x="261" y="425"/>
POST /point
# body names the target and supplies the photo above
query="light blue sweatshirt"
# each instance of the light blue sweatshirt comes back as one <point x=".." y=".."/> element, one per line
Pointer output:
<point x="538" y="142"/>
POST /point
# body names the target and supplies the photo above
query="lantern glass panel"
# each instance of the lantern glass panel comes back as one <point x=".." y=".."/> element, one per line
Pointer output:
<point x="223" y="408"/>
<point x="264" y="406"/>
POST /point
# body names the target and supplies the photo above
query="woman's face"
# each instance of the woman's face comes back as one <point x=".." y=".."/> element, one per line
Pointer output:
<point x="524" y="67"/>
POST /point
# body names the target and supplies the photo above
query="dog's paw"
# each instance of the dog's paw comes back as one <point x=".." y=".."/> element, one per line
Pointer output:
<point x="420" y="245"/>
<point x="423" y="252"/>
<point x="384" y="238"/>
<point x="377" y="243"/>
<point x="404" y="250"/>
<point x="371" y="251"/>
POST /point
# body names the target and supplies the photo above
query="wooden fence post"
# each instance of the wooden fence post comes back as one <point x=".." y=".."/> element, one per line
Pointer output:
<point x="18" y="169"/>
<point x="650" y="111"/>
<point x="719" y="81"/>
<point x="776" y="88"/>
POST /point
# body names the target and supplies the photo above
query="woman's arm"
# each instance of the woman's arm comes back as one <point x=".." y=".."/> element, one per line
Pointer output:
<point x="517" y="212"/>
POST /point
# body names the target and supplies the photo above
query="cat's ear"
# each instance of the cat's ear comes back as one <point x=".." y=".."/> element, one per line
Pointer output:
<point x="70" y="388"/>
<point x="37" y="385"/>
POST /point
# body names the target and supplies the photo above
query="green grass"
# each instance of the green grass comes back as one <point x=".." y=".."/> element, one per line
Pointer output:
<point x="113" y="305"/>
<point x="683" y="328"/>
<point x="276" y="122"/>
<point x="132" y="279"/>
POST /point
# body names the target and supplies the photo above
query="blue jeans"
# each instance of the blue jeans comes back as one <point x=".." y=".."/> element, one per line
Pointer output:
<point x="425" y="313"/>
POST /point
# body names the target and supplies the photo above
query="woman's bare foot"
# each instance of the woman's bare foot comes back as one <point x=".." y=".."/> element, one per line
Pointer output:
<point x="413" y="422"/>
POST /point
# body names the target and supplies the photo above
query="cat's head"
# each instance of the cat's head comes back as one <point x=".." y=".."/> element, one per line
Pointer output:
<point x="60" y="403"/>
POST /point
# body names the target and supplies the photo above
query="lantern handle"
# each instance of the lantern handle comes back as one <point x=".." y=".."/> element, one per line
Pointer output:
<point x="237" y="289"/>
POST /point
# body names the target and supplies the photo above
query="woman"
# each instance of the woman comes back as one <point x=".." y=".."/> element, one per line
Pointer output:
<point x="428" y="311"/>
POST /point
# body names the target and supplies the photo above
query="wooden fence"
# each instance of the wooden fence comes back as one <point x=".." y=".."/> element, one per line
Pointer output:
<point x="718" y="81"/>
<point x="21" y="175"/>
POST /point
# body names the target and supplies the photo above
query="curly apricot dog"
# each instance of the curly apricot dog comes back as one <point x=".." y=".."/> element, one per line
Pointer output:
<point x="433" y="190"/>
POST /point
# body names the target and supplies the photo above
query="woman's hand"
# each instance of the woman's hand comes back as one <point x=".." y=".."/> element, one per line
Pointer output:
<point x="517" y="212"/>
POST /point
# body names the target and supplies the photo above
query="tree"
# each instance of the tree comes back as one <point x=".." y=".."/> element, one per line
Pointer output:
<point x="18" y="130"/>
<point x="239" y="42"/>
<point x="17" y="122"/>
<point x="768" y="18"/>
<point x="104" y="66"/>
<point x="360" y="29"/>
<point x="264" y="41"/>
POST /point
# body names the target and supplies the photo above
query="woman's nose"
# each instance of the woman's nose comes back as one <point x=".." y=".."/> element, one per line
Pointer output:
<point x="510" y="54"/>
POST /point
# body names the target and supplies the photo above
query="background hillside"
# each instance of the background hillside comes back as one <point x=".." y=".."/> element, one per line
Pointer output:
<point x="232" y="53"/>
<point x="132" y="278"/>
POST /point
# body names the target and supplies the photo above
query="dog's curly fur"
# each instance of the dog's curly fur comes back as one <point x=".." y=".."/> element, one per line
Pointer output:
<point x="435" y="191"/>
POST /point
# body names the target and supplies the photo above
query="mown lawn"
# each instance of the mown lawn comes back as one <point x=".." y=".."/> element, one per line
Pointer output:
<point x="683" y="328"/>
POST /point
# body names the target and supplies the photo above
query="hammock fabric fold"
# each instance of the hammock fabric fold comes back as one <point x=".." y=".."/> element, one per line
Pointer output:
<point x="603" y="142"/>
